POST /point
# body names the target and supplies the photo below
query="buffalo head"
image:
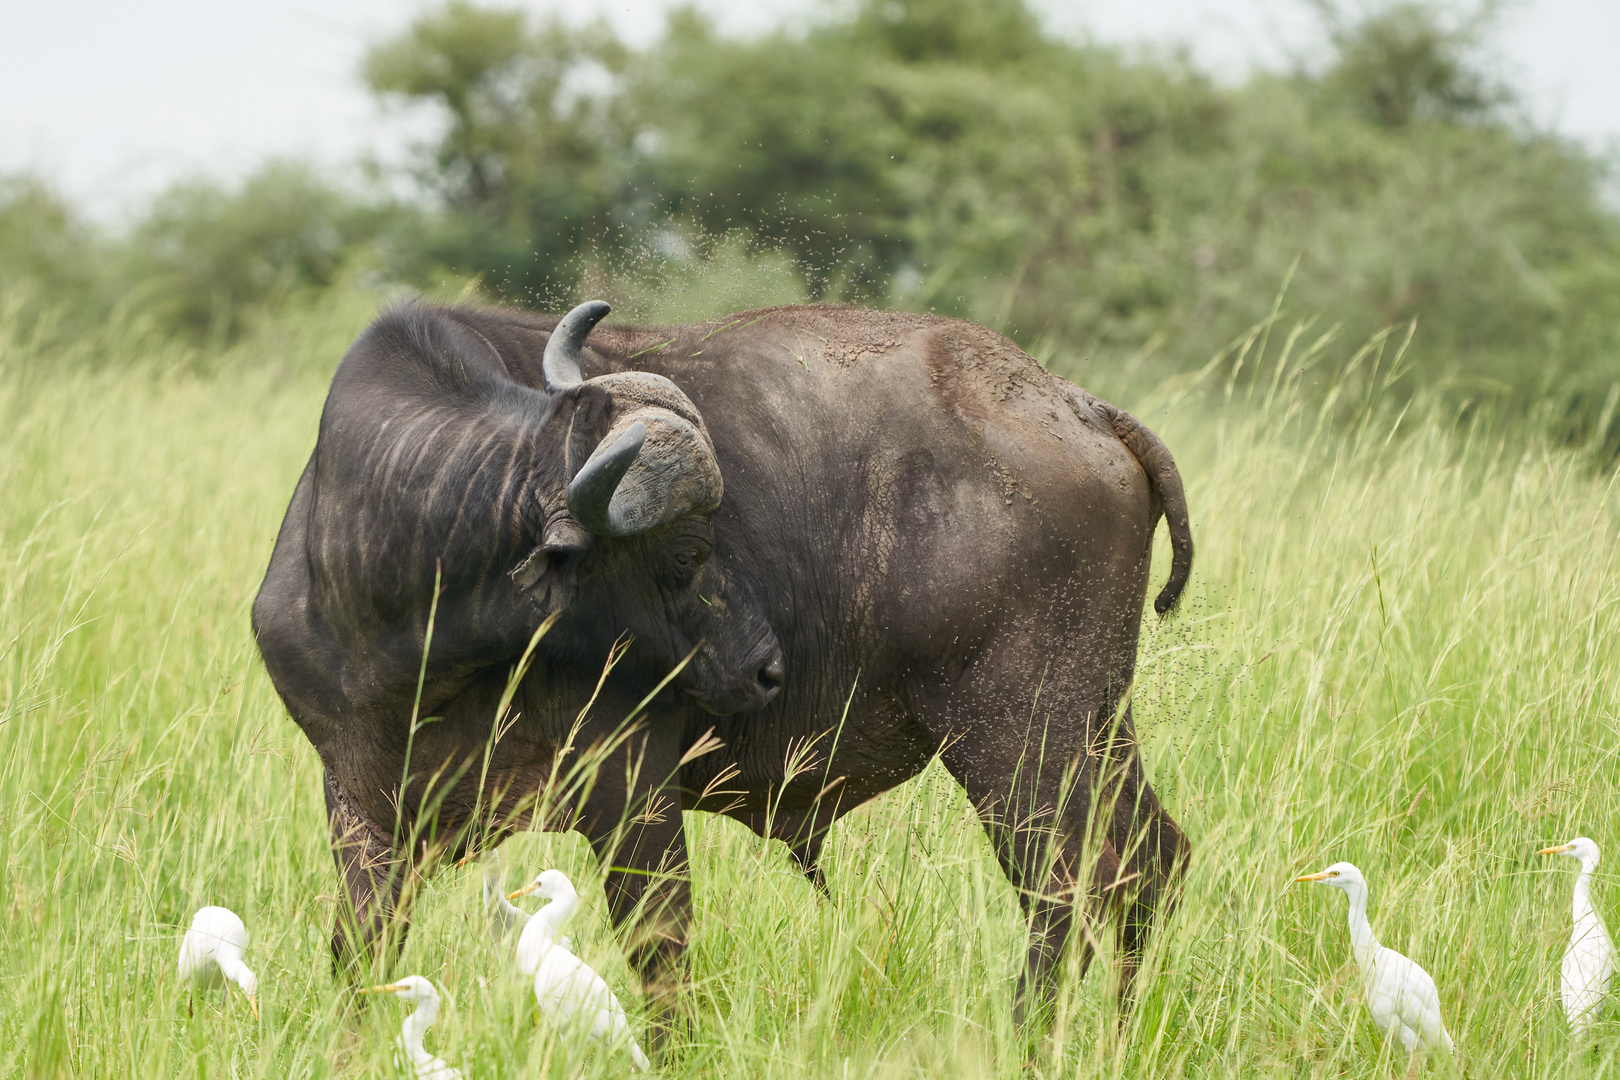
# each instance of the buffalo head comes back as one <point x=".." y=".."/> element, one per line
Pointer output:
<point x="628" y="543"/>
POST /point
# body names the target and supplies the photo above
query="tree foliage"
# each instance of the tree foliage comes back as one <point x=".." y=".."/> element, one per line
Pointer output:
<point x="207" y="252"/>
<point x="1403" y="64"/>
<point x="953" y="155"/>
<point x="41" y="238"/>
<point x="531" y="161"/>
<point x="1104" y="207"/>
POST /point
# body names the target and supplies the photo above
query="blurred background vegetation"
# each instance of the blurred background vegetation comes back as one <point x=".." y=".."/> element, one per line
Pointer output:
<point x="1115" y="211"/>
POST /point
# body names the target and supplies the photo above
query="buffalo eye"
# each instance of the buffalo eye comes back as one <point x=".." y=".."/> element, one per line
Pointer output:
<point x="689" y="558"/>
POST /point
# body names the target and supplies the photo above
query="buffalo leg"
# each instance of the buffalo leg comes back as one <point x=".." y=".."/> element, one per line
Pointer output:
<point x="804" y="832"/>
<point x="649" y="896"/>
<point x="808" y="855"/>
<point x="370" y="918"/>
<point x="1153" y="849"/>
<point x="633" y="822"/>
<point x="1035" y="818"/>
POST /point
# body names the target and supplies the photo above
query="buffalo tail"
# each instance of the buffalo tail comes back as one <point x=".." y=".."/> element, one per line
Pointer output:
<point x="1165" y="481"/>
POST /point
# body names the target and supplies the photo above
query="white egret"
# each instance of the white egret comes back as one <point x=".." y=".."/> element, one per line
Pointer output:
<point x="505" y="916"/>
<point x="211" y="954"/>
<point x="419" y="992"/>
<point x="566" y="988"/>
<point x="1589" y="960"/>
<point x="546" y="924"/>
<point x="1400" y="994"/>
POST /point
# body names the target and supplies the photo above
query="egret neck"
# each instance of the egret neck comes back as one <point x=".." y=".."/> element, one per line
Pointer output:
<point x="559" y="911"/>
<point x="1362" y="942"/>
<point x="542" y="931"/>
<point x="415" y="1028"/>
<point x="237" y="972"/>
<point x="1586" y="917"/>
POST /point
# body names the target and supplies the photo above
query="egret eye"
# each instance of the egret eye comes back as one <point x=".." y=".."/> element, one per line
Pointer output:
<point x="1333" y="873"/>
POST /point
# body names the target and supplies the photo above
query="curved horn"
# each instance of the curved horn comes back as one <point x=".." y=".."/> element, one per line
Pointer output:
<point x="590" y="494"/>
<point x="560" y="364"/>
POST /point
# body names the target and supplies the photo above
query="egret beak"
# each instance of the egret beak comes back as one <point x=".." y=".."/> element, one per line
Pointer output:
<point x="253" y="1000"/>
<point x="525" y="891"/>
<point x="388" y="989"/>
<point x="1323" y="876"/>
<point x="1559" y="850"/>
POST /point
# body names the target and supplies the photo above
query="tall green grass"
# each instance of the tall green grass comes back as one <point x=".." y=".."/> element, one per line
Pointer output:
<point x="1399" y="649"/>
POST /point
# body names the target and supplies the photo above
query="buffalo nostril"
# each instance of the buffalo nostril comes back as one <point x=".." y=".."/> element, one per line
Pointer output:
<point x="771" y="675"/>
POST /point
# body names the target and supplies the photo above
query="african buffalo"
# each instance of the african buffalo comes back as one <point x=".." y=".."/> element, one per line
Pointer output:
<point x="821" y="506"/>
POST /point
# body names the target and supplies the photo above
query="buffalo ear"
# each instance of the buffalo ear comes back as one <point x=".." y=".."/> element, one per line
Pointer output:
<point x="548" y="570"/>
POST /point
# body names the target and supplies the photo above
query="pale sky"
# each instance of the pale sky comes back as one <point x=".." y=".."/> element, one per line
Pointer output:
<point x="114" y="99"/>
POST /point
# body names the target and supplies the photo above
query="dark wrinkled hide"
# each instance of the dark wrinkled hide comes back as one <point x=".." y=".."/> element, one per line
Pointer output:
<point x="913" y="511"/>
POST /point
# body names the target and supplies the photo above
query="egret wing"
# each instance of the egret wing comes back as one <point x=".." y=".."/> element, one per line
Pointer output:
<point x="195" y="957"/>
<point x="212" y="929"/>
<point x="437" y="1069"/>
<point x="567" y="987"/>
<point x="1417" y="1001"/>
<point x="1586" y="972"/>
